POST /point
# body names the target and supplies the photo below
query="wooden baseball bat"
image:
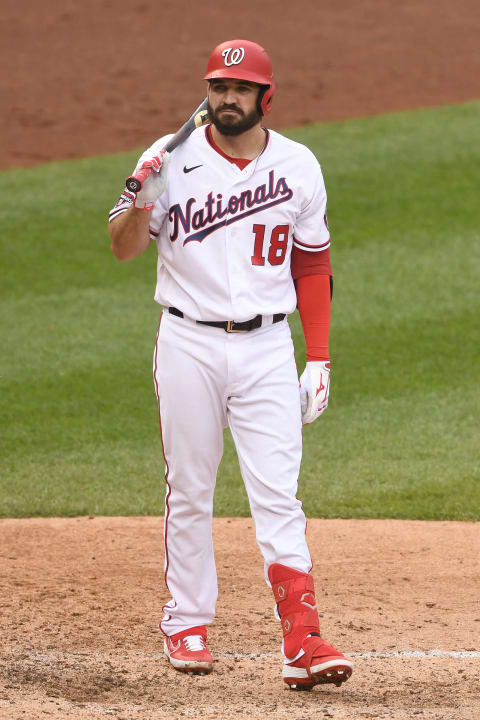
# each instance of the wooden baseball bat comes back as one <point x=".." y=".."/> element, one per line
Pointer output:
<point x="199" y="117"/>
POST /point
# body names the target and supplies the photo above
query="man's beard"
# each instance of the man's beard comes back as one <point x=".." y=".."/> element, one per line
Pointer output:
<point x="233" y="124"/>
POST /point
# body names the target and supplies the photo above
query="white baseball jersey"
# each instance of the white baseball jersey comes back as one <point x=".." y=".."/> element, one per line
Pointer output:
<point x="225" y="235"/>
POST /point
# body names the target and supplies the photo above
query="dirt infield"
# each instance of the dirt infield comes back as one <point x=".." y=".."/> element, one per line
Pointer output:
<point x="80" y="79"/>
<point x="81" y="600"/>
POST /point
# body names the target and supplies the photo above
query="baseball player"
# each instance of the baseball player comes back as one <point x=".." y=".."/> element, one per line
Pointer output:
<point x="238" y="213"/>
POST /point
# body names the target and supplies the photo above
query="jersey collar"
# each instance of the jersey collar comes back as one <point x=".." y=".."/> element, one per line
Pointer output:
<point x="241" y="163"/>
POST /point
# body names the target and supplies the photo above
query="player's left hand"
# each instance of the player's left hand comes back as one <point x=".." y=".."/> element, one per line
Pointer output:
<point x="314" y="389"/>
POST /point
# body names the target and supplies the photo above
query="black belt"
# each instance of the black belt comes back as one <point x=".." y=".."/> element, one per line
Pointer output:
<point x="230" y="325"/>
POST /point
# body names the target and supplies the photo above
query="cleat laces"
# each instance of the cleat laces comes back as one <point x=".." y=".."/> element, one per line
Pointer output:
<point x="194" y="643"/>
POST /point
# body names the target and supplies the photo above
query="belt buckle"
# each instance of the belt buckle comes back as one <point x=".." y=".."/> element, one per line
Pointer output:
<point x="230" y="329"/>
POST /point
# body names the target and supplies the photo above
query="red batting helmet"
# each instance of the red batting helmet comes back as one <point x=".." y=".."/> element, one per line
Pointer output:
<point x="244" y="60"/>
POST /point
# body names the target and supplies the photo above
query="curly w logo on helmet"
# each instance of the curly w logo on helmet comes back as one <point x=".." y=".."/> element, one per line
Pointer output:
<point x="233" y="56"/>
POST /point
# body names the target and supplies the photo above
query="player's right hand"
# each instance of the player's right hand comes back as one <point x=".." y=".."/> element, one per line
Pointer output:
<point x="154" y="185"/>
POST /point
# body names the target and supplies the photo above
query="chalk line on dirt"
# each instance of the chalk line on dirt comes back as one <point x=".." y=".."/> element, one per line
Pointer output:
<point x="373" y="654"/>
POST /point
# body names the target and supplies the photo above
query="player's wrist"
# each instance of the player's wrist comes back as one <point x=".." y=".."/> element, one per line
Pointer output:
<point x="317" y="357"/>
<point x="143" y="205"/>
<point x="315" y="367"/>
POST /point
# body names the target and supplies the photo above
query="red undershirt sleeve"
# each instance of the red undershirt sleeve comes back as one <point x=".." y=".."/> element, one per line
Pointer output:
<point x="311" y="272"/>
<point x="303" y="262"/>
<point x="313" y="301"/>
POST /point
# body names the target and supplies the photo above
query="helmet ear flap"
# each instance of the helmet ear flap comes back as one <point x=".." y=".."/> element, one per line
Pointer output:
<point x="265" y="97"/>
<point x="261" y="94"/>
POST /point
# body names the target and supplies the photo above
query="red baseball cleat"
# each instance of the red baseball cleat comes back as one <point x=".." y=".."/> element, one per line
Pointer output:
<point x="321" y="663"/>
<point x="188" y="652"/>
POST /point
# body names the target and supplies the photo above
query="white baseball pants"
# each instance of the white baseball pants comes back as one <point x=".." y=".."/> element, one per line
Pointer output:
<point x="205" y="379"/>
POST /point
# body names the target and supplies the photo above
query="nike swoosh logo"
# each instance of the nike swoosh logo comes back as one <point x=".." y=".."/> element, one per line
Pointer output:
<point x="187" y="170"/>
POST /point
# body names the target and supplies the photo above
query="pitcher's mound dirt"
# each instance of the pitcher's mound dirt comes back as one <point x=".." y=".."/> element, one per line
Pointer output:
<point x="81" y="599"/>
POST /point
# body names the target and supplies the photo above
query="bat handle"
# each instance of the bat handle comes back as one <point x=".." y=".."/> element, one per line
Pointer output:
<point x="134" y="182"/>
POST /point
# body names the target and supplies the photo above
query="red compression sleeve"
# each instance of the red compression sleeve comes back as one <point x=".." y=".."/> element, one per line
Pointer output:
<point x="310" y="263"/>
<point x="313" y="301"/>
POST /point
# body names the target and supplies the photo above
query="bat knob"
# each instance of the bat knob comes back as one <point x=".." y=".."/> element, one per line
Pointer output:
<point x="133" y="184"/>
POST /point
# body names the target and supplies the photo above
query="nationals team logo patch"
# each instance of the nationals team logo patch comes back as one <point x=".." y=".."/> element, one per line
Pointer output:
<point x="233" y="57"/>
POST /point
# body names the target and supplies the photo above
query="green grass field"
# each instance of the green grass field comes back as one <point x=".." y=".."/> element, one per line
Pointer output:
<point x="78" y="419"/>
